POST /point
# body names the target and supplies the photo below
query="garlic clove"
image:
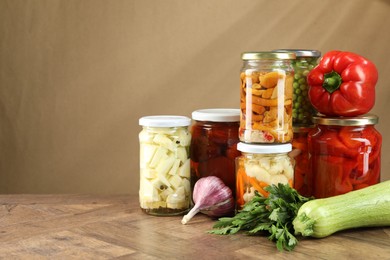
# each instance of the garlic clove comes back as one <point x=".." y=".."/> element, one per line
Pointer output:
<point x="211" y="197"/>
<point x="221" y="209"/>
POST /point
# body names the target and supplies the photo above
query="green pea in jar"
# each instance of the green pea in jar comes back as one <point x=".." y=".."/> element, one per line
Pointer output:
<point x="305" y="61"/>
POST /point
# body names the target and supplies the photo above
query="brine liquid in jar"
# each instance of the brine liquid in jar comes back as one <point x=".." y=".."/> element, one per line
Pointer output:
<point x="305" y="61"/>
<point x="345" y="154"/>
<point x="266" y="94"/>
<point x="214" y="145"/>
<point x="302" y="176"/>
<point x="260" y="166"/>
<point x="165" y="187"/>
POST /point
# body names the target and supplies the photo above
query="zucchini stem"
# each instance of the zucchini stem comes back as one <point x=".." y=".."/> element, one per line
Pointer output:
<point x="303" y="225"/>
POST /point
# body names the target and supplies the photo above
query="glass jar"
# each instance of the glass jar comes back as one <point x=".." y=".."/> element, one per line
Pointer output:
<point x="214" y="145"/>
<point x="165" y="187"/>
<point x="266" y="97"/>
<point x="260" y="166"/>
<point x="302" y="177"/>
<point x="305" y="61"/>
<point x="345" y="154"/>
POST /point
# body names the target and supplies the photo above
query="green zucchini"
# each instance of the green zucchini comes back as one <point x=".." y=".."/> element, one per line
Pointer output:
<point x="368" y="207"/>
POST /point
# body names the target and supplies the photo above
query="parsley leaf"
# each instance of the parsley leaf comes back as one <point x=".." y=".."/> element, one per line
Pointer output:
<point x="272" y="216"/>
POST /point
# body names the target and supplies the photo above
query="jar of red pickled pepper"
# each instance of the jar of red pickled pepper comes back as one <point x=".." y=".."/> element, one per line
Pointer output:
<point x="266" y="96"/>
<point x="300" y="152"/>
<point x="345" y="154"/>
<point x="214" y="144"/>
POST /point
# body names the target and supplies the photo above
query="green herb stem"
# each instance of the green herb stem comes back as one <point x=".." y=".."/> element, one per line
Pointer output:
<point x="273" y="216"/>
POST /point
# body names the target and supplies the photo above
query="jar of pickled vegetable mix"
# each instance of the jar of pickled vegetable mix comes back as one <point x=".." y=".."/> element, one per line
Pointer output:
<point x="165" y="187"/>
<point x="300" y="152"/>
<point x="305" y="61"/>
<point x="266" y="97"/>
<point x="214" y="145"/>
<point x="260" y="166"/>
<point x="345" y="154"/>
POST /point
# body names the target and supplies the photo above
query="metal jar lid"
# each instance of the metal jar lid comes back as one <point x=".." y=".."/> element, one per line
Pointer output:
<point x="301" y="52"/>
<point x="268" y="55"/>
<point x="217" y="115"/>
<point x="264" y="148"/>
<point x="165" y="121"/>
<point x="368" y="119"/>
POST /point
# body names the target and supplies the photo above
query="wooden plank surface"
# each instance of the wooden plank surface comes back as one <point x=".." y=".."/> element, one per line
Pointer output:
<point x="106" y="227"/>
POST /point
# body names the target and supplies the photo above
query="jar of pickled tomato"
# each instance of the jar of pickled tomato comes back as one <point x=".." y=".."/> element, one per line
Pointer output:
<point x="306" y="60"/>
<point x="266" y="97"/>
<point x="260" y="166"/>
<point x="345" y="154"/>
<point x="214" y="145"/>
<point x="165" y="187"/>
<point x="300" y="152"/>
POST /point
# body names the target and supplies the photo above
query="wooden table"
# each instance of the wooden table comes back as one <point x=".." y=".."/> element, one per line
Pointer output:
<point x="102" y="227"/>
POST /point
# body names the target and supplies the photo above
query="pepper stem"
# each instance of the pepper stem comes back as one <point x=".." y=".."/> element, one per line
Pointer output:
<point x="332" y="81"/>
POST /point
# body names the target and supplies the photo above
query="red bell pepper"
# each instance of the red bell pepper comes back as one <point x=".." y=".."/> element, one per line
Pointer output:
<point x="370" y="177"/>
<point x="343" y="84"/>
<point x="332" y="175"/>
<point x="329" y="143"/>
<point x="352" y="137"/>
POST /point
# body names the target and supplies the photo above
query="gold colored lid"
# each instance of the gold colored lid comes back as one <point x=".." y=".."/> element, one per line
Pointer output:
<point x="268" y="55"/>
<point x="302" y="52"/>
<point x="368" y="119"/>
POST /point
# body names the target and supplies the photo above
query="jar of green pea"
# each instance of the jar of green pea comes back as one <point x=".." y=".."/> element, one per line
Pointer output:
<point x="306" y="60"/>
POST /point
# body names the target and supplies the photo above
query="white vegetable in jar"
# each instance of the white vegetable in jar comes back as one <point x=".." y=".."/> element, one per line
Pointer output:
<point x="270" y="169"/>
<point x="260" y="166"/>
<point x="164" y="165"/>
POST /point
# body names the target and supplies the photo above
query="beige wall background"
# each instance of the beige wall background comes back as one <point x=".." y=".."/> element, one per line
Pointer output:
<point x="75" y="76"/>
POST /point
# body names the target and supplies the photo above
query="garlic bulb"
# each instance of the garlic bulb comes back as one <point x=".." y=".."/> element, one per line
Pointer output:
<point x="211" y="197"/>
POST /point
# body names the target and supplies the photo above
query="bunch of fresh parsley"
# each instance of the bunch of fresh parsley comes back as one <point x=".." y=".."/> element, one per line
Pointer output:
<point x="272" y="216"/>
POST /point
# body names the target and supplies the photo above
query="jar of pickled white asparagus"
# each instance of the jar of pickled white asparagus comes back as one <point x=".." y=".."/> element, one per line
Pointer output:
<point x="260" y="166"/>
<point x="165" y="187"/>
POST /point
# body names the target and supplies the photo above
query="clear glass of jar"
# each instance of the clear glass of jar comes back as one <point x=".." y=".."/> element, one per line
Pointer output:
<point x="305" y="61"/>
<point x="260" y="166"/>
<point x="165" y="187"/>
<point x="266" y="97"/>
<point x="214" y="145"/>
<point x="300" y="153"/>
<point x="345" y="154"/>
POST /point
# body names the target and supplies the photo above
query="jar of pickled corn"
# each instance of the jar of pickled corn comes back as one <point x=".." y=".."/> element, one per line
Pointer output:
<point x="266" y="97"/>
<point x="345" y="154"/>
<point x="305" y="61"/>
<point x="302" y="177"/>
<point x="260" y="166"/>
<point x="165" y="187"/>
<point x="214" y="145"/>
